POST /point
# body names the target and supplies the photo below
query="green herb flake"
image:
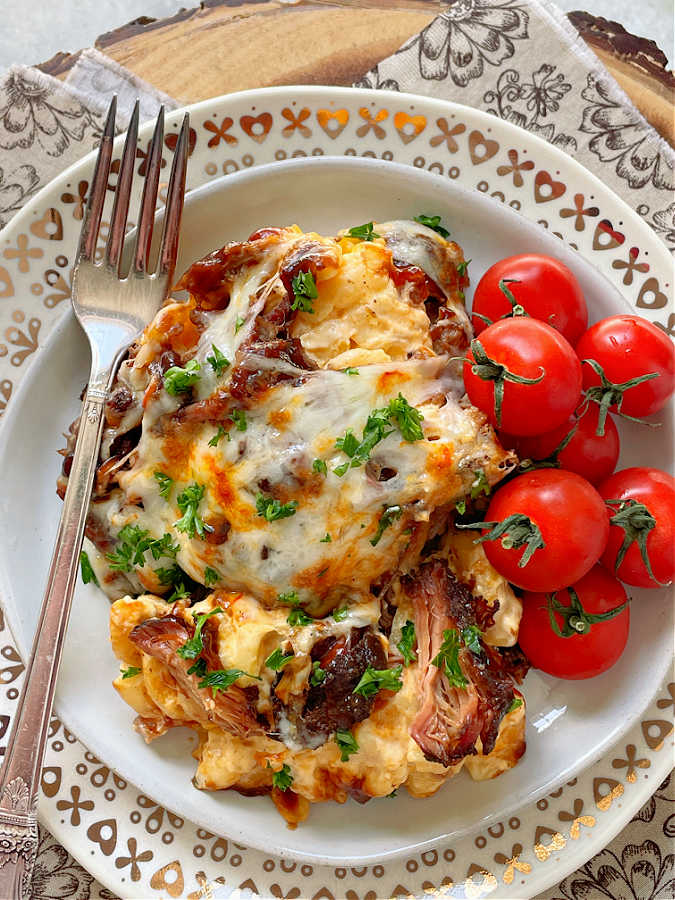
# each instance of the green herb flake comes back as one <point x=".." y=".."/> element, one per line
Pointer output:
<point x="326" y="539"/>
<point x="433" y="222"/>
<point x="387" y="519"/>
<point x="350" y="370"/>
<point x="304" y="291"/>
<point x="363" y="232"/>
<point x="238" y="416"/>
<point x="130" y="672"/>
<point x="198" y="668"/>
<point x="169" y="575"/>
<point x="163" y="546"/>
<point x="471" y="636"/>
<point x="282" y="779"/>
<point x="460" y="506"/>
<point x="220" y="679"/>
<point x="218" y="361"/>
<point x="179" y="380"/>
<point x="238" y="322"/>
<point x="271" y="509"/>
<point x="165" y="484"/>
<point x="289" y="598"/>
<point x="407" y="642"/>
<point x="462" y="267"/>
<point x="447" y="658"/>
<point x="132" y="542"/>
<point x="339" y="615"/>
<point x="180" y="592"/>
<point x="194" y="645"/>
<point x="407" y="419"/>
<point x="188" y="503"/>
<point x="86" y="569"/>
<point x="516" y="703"/>
<point x="479" y="485"/>
<point x="278" y="659"/>
<point x="211" y="577"/>
<point x="318" y="675"/>
<point x="347" y="743"/>
<point x="298" y="618"/>
<point x="319" y="466"/>
<point x="218" y="436"/>
<point x="374" y="680"/>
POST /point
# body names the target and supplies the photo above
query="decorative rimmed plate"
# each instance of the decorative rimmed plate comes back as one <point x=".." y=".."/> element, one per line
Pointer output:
<point x="243" y="131"/>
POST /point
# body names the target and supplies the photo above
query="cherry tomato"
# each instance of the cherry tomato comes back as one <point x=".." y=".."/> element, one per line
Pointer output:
<point x="642" y="522"/>
<point x="590" y="455"/>
<point x="534" y="369"/>
<point x="629" y="347"/>
<point x="541" y="285"/>
<point x="545" y="529"/>
<point x="589" y="629"/>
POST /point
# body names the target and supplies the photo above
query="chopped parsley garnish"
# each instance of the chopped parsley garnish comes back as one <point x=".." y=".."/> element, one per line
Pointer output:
<point x="86" y="569"/>
<point x="433" y="222"/>
<point x="282" y="779"/>
<point x="346" y="742"/>
<point x="180" y="592"/>
<point x="460" y="506"/>
<point x="462" y="267"/>
<point x="210" y="576"/>
<point x="130" y="672"/>
<point x="170" y="574"/>
<point x="220" y="679"/>
<point x="318" y="675"/>
<point x="388" y="517"/>
<point x="516" y="703"/>
<point x="278" y="659"/>
<point x="218" y="436"/>
<point x="238" y="322"/>
<point x="447" y="658"/>
<point x="393" y="794"/>
<point x="163" y="546"/>
<point x="407" y="642"/>
<point x="178" y="381"/>
<point x="350" y="370"/>
<point x="298" y="617"/>
<point x="319" y="466"/>
<point x="406" y="418"/>
<point x="132" y="542"/>
<point x="471" y="636"/>
<point x="238" y="416"/>
<point x="198" y="668"/>
<point x="363" y="232"/>
<point x="188" y="502"/>
<point x="326" y="539"/>
<point x="479" y="485"/>
<point x="194" y="645"/>
<point x="374" y="680"/>
<point x="271" y="509"/>
<point x="218" y="361"/>
<point x="379" y="425"/>
<point x="339" y="615"/>
<point x="165" y="484"/>
<point x="289" y="598"/>
<point x="304" y="291"/>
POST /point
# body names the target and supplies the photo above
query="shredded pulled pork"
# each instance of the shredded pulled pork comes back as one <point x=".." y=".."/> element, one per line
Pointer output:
<point x="452" y="719"/>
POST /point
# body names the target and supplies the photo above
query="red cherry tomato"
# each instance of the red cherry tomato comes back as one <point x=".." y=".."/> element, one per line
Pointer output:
<point x="628" y="347"/>
<point x="591" y="626"/>
<point x="535" y="368"/>
<point x="543" y="286"/>
<point x="644" y="522"/>
<point x="547" y="528"/>
<point x="590" y="455"/>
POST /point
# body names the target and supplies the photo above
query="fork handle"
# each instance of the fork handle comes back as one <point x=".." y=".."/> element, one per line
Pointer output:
<point x="20" y="777"/>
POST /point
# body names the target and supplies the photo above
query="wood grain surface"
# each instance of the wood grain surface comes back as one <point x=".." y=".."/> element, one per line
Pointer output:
<point x="231" y="45"/>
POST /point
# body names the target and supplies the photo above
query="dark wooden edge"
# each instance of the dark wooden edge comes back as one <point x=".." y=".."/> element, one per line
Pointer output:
<point x="614" y="39"/>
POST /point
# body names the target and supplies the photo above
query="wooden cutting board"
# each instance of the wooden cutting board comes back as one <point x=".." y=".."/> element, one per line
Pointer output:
<point x="230" y="45"/>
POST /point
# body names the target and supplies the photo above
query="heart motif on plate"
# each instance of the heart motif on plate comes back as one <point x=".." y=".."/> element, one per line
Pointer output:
<point x="606" y="238"/>
<point x="332" y="121"/>
<point x="6" y="286"/>
<point x="658" y="299"/>
<point x="49" y="227"/>
<point x="95" y="834"/>
<point x="545" y="188"/>
<point x="172" y="139"/>
<point x="174" y="885"/>
<point x="481" y="148"/>
<point x="409" y="127"/>
<point x="257" y="127"/>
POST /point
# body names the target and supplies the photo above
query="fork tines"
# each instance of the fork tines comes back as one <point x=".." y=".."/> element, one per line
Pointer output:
<point x="146" y="220"/>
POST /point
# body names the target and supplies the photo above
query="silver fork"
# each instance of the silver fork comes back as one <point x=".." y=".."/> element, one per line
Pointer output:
<point x="112" y="310"/>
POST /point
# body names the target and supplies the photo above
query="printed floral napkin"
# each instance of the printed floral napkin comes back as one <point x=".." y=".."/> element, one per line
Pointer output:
<point x="494" y="55"/>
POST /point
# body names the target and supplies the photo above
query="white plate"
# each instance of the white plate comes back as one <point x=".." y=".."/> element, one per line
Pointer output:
<point x="570" y="725"/>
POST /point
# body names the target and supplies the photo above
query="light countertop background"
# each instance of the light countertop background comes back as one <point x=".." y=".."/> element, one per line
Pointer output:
<point x="31" y="31"/>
